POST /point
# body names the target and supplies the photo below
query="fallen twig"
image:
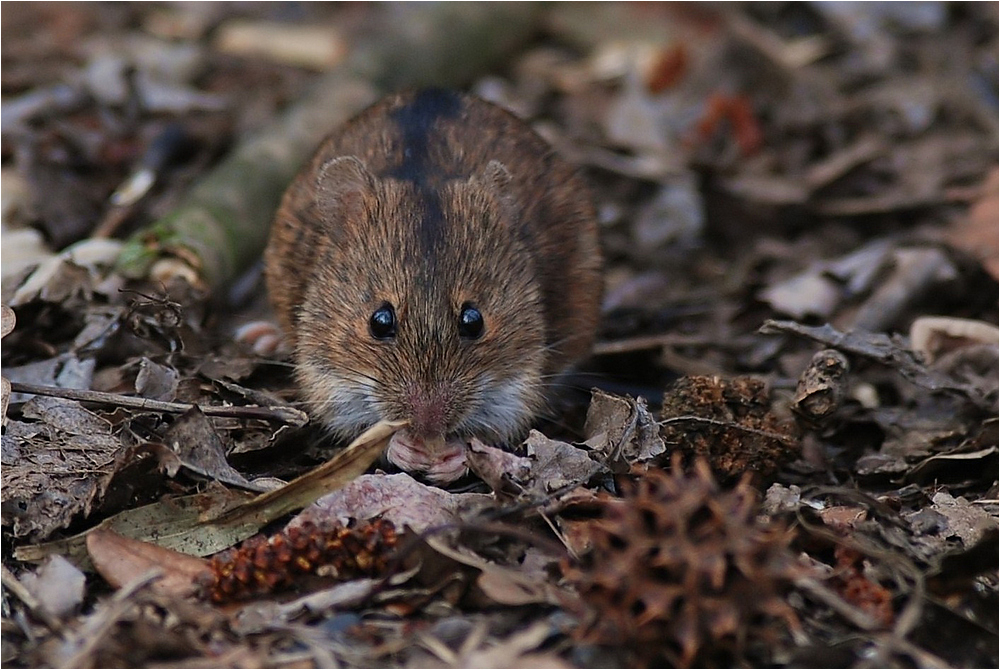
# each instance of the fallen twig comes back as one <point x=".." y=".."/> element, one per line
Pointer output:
<point x="784" y="439"/>
<point x="282" y="414"/>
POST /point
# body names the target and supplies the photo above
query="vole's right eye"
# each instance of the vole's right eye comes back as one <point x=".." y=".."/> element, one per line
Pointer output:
<point x="382" y="324"/>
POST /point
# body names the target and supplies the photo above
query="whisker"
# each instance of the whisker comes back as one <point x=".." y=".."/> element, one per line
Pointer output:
<point x="364" y="375"/>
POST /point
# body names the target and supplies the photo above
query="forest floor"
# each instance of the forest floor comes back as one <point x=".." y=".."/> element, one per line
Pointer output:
<point x="789" y="455"/>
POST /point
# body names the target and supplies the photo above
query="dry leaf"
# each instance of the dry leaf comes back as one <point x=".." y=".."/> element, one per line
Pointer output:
<point x="557" y="464"/>
<point x="494" y="466"/>
<point x="507" y="586"/>
<point x="622" y="430"/>
<point x="6" y="326"/>
<point x="56" y="466"/>
<point x="932" y="336"/>
<point x="398" y="498"/>
<point x="200" y="450"/>
<point x="120" y="560"/>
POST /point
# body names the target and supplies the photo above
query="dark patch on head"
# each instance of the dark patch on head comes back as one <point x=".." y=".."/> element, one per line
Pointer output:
<point x="416" y="121"/>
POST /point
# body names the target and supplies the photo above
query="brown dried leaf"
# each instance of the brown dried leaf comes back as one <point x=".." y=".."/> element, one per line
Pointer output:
<point x="174" y="523"/>
<point x="558" y="464"/>
<point x="842" y="518"/>
<point x="503" y="585"/>
<point x="621" y="430"/>
<point x="121" y="560"/>
<point x="810" y="293"/>
<point x="6" y="326"/>
<point x="494" y="466"/>
<point x="4" y="398"/>
<point x="56" y="280"/>
<point x="64" y="370"/>
<point x="934" y="336"/>
<point x="204" y="524"/>
<point x="200" y="450"/>
<point x="265" y="615"/>
<point x="398" y="498"/>
<point x="966" y="521"/>
<point x="337" y="472"/>
<point x="55" y="467"/>
<point x="916" y="274"/>
<point x="931" y="468"/>
<point x="977" y="234"/>
<point x="957" y="569"/>
<point x="518" y="650"/>
<point x="510" y="587"/>
<point x="138" y="625"/>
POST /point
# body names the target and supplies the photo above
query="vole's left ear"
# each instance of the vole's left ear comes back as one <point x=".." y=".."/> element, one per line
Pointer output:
<point x="497" y="175"/>
<point x="496" y="179"/>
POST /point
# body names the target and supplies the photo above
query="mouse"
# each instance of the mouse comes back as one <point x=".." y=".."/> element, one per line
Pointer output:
<point x="436" y="262"/>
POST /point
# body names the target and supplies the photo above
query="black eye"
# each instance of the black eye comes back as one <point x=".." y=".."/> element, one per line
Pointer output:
<point x="470" y="322"/>
<point x="383" y="322"/>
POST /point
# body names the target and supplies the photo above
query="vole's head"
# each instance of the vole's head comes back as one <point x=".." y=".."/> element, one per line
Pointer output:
<point x="423" y="307"/>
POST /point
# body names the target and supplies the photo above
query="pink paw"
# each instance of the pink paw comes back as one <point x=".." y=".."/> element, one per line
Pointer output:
<point x="263" y="337"/>
<point x="439" y="461"/>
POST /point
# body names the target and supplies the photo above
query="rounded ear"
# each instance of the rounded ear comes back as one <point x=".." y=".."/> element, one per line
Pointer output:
<point x="339" y="180"/>
<point x="496" y="179"/>
<point x="497" y="175"/>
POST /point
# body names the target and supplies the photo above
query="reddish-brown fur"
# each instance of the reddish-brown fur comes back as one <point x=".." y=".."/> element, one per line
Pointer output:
<point x="428" y="201"/>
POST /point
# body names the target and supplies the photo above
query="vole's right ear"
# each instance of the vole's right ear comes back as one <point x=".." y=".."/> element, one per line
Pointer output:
<point x="340" y="183"/>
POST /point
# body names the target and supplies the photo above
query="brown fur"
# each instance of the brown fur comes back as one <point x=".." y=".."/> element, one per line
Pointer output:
<point x="429" y="200"/>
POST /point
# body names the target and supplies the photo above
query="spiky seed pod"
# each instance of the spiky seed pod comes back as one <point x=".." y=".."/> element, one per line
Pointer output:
<point x="264" y="564"/>
<point x="682" y="572"/>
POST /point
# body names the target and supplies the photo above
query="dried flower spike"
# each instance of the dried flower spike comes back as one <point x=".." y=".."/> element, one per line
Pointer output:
<point x="264" y="564"/>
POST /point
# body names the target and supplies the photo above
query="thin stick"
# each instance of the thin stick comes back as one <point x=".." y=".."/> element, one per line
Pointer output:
<point x="727" y="424"/>
<point x="289" y="415"/>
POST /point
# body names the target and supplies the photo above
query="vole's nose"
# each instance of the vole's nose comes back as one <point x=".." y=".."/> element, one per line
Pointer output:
<point x="430" y="408"/>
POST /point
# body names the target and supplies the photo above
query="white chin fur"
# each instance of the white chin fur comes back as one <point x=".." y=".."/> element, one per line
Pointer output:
<point x="502" y="410"/>
<point x="345" y="405"/>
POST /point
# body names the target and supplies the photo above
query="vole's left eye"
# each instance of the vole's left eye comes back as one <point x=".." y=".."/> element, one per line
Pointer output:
<point x="470" y="322"/>
<point x="382" y="323"/>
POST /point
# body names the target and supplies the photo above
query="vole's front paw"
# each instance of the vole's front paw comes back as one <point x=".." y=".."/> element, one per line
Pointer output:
<point x="438" y="461"/>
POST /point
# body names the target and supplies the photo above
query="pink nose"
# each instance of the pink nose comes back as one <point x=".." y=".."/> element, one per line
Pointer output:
<point x="429" y="409"/>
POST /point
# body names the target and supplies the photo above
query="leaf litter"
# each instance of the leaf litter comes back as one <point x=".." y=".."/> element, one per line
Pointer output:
<point x="829" y="484"/>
